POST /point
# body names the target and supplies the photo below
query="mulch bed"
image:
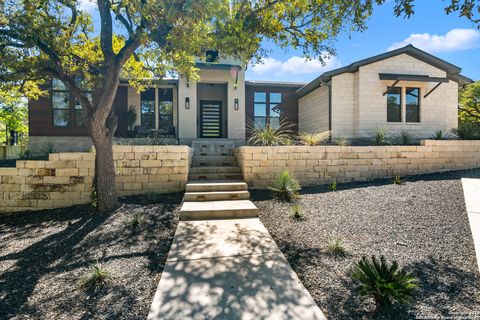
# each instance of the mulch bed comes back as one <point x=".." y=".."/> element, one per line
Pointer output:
<point x="421" y="223"/>
<point x="43" y="255"/>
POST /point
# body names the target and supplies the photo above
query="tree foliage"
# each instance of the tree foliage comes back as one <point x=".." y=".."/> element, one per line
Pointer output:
<point x="469" y="103"/>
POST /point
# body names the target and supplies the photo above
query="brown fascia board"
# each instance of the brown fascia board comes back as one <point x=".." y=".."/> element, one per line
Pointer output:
<point x="421" y="55"/>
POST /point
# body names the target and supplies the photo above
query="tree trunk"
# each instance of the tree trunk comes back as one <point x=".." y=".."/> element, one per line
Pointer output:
<point x="104" y="166"/>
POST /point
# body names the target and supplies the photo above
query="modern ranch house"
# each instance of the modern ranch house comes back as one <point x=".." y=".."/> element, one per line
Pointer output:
<point x="403" y="89"/>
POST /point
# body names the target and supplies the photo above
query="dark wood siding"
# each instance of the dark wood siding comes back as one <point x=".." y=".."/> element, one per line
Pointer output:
<point x="40" y="117"/>
<point x="288" y="107"/>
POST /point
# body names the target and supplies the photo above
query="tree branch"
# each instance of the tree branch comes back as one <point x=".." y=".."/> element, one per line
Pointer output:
<point x="106" y="28"/>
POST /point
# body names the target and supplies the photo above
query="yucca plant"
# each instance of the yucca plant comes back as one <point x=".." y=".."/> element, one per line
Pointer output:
<point x="341" y="141"/>
<point x="136" y="221"/>
<point x="380" y="137"/>
<point x="95" y="278"/>
<point x="285" y="187"/>
<point x="439" y="135"/>
<point x="405" y="137"/>
<point x="270" y="136"/>
<point x="313" y="139"/>
<point x="387" y="284"/>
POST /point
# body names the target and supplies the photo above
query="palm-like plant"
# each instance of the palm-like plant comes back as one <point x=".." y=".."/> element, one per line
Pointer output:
<point x="386" y="283"/>
<point x="285" y="187"/>
<point x="313" y="139"/>
<point x="270" y="136"/>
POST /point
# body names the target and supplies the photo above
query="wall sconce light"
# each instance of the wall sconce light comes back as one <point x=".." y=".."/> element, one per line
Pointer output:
<point x="188" y="82"/>
<point x="187" y="103"/>
<point x="235" y="104"/>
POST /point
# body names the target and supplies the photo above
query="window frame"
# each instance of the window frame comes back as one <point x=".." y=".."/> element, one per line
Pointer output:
<point x="53" y="109"/>
<point x="151" y="113"/>
<point x="268" y="104"/>
<point x="400" y="93"/>
<point x="160" y="113"/>
<point x="419" y="105"/>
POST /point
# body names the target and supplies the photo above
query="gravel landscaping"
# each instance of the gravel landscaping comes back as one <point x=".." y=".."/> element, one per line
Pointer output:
<point x="421" y="223"/>
<point x="44" y="254"/>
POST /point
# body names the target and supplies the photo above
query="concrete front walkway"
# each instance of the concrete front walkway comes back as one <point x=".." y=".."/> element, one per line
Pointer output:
<point x="471" y="190"/>
<point x="229" y="269"/>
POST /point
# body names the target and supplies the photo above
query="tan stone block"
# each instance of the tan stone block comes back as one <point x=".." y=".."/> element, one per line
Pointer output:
<point x="142" y="178"/>
<point x="61" y="164"/>
<point x="56" y="180"/>
<point x="9" y="187"/>
<point x="66" y="172"/>
<point x="278" y="156"/>
<point x="53" y="157"/>
<point x="124" y="149"/>
<point x="158" y="178"/>
<point x="118" y="156"/>
<point x="13" y="179"/>
<point x="85" y="164"/>
<point x="132" y="186"/>
<point x="25" y="172"/>
<point x="60" y="203"/>
<point x="70" y="156"/>
<point x="88" y="156"/>
<point x="8" y="171"/>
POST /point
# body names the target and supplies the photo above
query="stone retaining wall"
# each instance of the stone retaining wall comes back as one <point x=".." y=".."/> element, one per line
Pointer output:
<point x="66" y="178"/>
<point x="327" y="164"/>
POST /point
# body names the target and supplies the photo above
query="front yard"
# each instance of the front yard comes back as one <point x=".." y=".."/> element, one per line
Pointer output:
<point x="44" y="254"/>
<point x="421" y="223"/>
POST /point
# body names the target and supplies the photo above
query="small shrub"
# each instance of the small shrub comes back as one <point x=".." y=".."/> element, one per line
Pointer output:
<point x="405" y="137"/>
<point x="397" y="180"/>
<point x="313" y="139"/>
<point x="341" y="141"/>
<point x="136" y="221"/>
<point x="154" y="141"/>
<point x="269" y="136"/>
<point x="467" y="131"/>
<point x="336" y="248"/>
<point x="24" y="154"/>
<point x="387" y="284"/>
<point x="285" y="187"/>
<point x="439" y="135"/>
<point x="95" y="279"/>
<point x="380" y="137"/>
<point x="297" y="211"/>
<point x="48" y="148"/>
<point x="332" y="186"/>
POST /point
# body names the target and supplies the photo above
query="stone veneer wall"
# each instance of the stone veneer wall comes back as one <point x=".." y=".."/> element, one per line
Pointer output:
<point x="326" y="164"/>
<point x="66" y="178"/>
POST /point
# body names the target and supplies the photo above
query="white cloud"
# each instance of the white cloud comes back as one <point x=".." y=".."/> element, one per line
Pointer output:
<point x="453" y="40"/>
<point x="87" y="5"/>
<point x="295" y="65"/>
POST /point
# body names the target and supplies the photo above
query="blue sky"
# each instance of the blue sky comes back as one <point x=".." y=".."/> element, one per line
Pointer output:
<point x="449" y="37"/>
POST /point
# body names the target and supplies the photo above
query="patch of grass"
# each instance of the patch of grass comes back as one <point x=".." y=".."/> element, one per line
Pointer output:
<point x="397" y="180"/>
<point x="380" y="137"/>
<point x="285" y="187"/>
<point x="336" y="248"/>
<point x="95" y="279"/>
<point x="270" y="136"/>
<point x="296" y="212"/>
<point x="341" y="141"/>
<point x="136" y="221"/>
<point x="332" y="186"/>
<point x="313" y="139"/>
<point x="387" y="284"/>
<point x="439" y="135"/>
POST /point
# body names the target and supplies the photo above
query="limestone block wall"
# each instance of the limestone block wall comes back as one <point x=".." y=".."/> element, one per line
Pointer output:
<point x="66" y="178"/>
<point x="313" y="111"/>
<point x="327" y="164"/>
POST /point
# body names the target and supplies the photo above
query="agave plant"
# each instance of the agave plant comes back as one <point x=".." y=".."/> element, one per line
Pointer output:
<point x="439" y="135"/>
<point x="405" y="137"/>
<point x="380" y="137"/>
<point x="313" y="139"/>
<point x="270" y="136"/>
<point x="285" y="187"/>
<point x="387" y="284"/>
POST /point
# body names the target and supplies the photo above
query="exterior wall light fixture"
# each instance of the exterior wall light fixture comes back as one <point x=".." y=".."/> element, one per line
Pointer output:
<point x="187" y="103"/>
<point x="235" y="104"/>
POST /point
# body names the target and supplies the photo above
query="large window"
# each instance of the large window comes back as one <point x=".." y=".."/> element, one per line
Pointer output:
<point x="266" y="109"/>
<point x="412" y="104"/>
<point x="165" y="108"/>
<point x="147" y="108"/>
<point x="60" y="104"/>
<point x="394" y="105"/>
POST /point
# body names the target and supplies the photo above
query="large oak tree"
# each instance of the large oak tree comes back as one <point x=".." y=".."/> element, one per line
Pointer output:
<point x="139" y="39"/>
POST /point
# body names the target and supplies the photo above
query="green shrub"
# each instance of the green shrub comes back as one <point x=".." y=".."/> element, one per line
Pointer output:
<point x="313" y="139"/>
<point x="136" y="221"/>
<point x="336" y="248"/>
<point x="439" y="135"/>
<point x="297" y="211"/>
<point x="341" y="141"/>
<point x="386" y="284"/>
<point x="380" y="137"/>
<point x="333" y="186"/>
<point x="48" y="148"/>
<point x="95" y="278"/>
<point x="285" y="187"/>
<point x="269" y="136"/>
<point x="467" y="131"/>
<point x="397" y="180"/>
<point x="405" y="137"/>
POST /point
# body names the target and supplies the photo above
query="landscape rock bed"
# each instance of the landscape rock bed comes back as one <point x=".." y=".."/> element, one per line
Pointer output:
<point x="421" y="223"/>
<point x="43" y="254"/>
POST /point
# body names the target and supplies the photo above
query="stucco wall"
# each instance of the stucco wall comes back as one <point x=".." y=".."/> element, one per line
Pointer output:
<point x="327" y="164"/>
<point x="66" y="178"/>
<point x="313" y="111"/>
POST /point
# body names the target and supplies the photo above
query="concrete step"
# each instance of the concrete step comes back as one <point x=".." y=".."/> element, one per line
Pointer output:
<point x="234" y="209"/>
<point x="217" y="161"/>
<point x="216" y="195"/>
<point x="215" y="176"/>
<point x="216" y="185"/>
<point x="224" y="169"/>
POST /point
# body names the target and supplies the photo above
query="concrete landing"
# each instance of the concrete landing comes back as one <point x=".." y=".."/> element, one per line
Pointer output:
<point x="471" y="190"/>
<point x="230" y="209"/>
<point x="229" y="269"/>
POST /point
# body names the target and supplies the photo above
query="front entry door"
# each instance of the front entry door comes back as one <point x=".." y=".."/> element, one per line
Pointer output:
<point x="211" y="119"/>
